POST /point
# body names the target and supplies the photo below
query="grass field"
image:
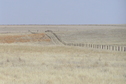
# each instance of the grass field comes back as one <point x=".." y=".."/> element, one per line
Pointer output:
<point x="27" y="64"/>
<point x="41" y="62"/>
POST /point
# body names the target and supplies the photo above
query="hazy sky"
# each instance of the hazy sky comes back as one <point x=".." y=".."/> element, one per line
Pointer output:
<point x="62" y="11"/>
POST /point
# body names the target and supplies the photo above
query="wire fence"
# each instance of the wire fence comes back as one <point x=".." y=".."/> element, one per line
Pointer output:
<point x="93" y="46"/>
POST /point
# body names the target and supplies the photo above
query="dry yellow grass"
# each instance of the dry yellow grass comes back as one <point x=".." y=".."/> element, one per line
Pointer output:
<point x="35" y="64"/>
<point x="28" y="60"/>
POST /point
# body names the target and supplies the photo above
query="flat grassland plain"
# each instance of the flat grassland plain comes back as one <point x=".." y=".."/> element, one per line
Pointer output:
<point x="29" y="56"/>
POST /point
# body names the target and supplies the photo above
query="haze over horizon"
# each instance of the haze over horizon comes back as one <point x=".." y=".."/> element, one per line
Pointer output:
<point x="62" y="12"/>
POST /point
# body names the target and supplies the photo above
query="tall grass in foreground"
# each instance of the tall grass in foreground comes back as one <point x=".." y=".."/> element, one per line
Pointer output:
<point x="35" y="64"/>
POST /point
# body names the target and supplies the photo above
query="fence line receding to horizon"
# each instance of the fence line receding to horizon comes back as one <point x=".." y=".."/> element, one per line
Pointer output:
<point x="94" y="46"/>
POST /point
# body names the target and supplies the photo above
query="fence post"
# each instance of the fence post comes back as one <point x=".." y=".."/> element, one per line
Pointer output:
<point x="80" y="44"/>
<point x="102" y="46"/>
<point x="118" y="48"/>
<point x="91" y="45"/>
<point x="112" y="47"/>
<point x="97" y="46"/>
<point x="107" y="47"/>
<point x="124" y="49"/>
<point x="70" y="44"/>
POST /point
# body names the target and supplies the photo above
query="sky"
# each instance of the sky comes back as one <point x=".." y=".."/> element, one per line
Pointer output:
<point x="62" y="11"/>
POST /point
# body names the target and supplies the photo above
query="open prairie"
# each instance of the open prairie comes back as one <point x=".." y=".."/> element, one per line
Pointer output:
<point x="29" y="55"/>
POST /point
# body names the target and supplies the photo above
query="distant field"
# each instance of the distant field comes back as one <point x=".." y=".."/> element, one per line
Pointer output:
<point x="97" y="34"/>
<point x="40" y="28"/>
<point x="108" y="36"/>
<point x="29" y="56"/>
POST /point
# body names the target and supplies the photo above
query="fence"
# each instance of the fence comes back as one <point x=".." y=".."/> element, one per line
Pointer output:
<point x="94" y="46"/>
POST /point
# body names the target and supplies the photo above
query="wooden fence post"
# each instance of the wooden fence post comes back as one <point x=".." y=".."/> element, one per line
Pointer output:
<point x="112" y="47"/>
<point x="91" y="45"/>
<point x="97" y="46"/>
<point x="121" y="48"/>
<point x="107" y="47"/>
<point x="124" y="49"/>
<point x="102" y="46"/>
<point x="118" y="48"/>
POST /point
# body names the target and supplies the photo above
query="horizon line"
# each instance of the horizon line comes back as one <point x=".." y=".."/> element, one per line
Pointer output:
<point x="61" y="24"/>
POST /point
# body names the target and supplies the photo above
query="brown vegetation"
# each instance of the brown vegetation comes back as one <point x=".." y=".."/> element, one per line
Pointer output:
<point x="23" y="38"/>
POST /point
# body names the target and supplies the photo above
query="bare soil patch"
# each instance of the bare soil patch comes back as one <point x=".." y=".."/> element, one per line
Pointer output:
<point x="14" y="38"/>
